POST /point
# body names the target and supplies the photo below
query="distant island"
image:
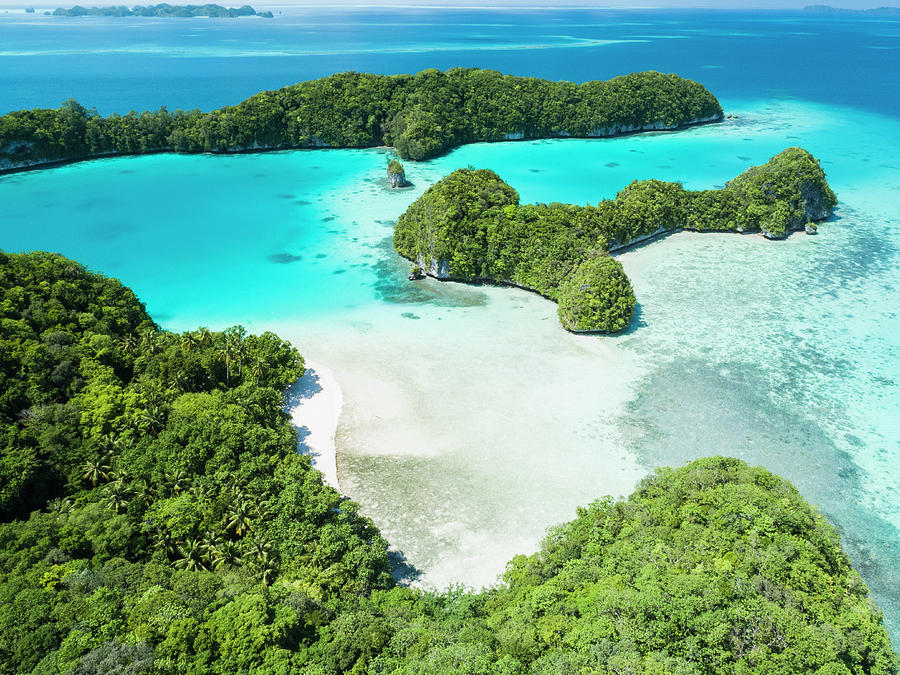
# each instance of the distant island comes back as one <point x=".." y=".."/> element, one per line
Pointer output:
<point x="828" y="9"/>
<point x="420" y="115"/>
<point x="470" y="226"/>
<point x="164" y="10"/>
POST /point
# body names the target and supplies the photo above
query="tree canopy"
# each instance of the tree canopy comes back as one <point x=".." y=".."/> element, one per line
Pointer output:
<point x="421" y="115"/>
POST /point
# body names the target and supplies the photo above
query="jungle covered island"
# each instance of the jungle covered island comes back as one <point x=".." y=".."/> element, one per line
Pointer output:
<point x="420" y="115"/>
<point x="470" y="226"/>
<point x="163" y="10"/>
<point x="155" y="517"/>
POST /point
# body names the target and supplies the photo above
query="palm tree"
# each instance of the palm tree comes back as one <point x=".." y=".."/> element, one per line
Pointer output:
<point x="259" y="370"/>
<point x="177" y="481"/>
<point x="238" y="517"/>
<point x="204" y="337"/>
<point x="164" y="541"/>
<point x="264" y="570"/>
<point x="59" y="506"/>
<point x="209" y="547"/>
<point x="128" y="343"/>
<point x="262" y="561"/>
<point x="149" y="341"/>
<point x="144" y="493"/>
<point x="109" y="444"/>
<point x="116" y="497"/>
<point x="260" y="547"/>
<point x="177" y="382"/>
<point x="202" y="491"/>
<point x="189" y="341"/>
<point x="227" y="554"/>
<point x="224" y="353"/>
<point x="154" y="418"/>
<point x="239" y="350"/>
<point x="191" y="555"/>
<point x="95" y="471"/>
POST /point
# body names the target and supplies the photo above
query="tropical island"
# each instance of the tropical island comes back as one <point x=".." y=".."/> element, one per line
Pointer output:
<point x="164" y="10"/>
<point x="155" y="517"/>
<point x="470" y="226"/>
<point x="420" y="115"/>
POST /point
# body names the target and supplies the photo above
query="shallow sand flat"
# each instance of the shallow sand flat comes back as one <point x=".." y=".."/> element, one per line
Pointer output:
<point x="484" y="426"/>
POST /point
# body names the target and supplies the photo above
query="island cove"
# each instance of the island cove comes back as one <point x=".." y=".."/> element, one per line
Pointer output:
<point x="150" y="474"/>
<point x="470" y="227"/>
<point x="421" y="116"/>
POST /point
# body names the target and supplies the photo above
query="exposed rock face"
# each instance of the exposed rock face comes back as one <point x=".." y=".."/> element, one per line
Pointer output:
<point x="439" y="269"/>
<point x="397" y="174"/>
<point x="398" y="180"/>
<point x="655" y="126"/>
<point x="316" y="142"/>
<point x="814" y="203"/>
<point x="617" y="129"/>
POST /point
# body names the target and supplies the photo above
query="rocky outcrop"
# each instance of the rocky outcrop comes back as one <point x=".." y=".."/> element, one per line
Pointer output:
<point x="618" y="129"/>
<point x="397" y="175"/>
<point x="398" y="180"/>
<point x="439" y="269"/>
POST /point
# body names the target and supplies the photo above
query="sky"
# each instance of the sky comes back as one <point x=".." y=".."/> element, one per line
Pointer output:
<point x="331" y="4"/>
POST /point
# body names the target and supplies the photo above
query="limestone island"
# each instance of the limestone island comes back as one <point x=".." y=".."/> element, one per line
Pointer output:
<point x="470" y="226"/>
<point x="397" y="175"/>
<point x="420" y="115"/>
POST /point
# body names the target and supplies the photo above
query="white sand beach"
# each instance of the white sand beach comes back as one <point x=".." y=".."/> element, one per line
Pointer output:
<point x="467" y="431"/>
<point x="314" y="403"/>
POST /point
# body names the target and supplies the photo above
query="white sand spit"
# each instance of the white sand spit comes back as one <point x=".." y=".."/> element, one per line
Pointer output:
<point x="314" y="403"/>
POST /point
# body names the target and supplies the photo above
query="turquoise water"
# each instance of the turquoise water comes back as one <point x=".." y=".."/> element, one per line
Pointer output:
<point x="472" y="422"/>
<point x="785" y="353"/>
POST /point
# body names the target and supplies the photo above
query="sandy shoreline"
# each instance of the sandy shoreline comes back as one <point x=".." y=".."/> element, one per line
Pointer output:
<point x="314" y="403"/>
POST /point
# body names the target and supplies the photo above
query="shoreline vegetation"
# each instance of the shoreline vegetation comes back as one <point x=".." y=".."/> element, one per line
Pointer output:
<point x="156" y="517"/>
<point x="421" y="116"/>
<point x="164" y="10"/>
<point x="470" y="226"/>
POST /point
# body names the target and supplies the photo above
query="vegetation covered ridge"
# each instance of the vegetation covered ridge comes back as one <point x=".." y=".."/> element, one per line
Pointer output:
<point x="420" y="115"/>
<point x="156" y="518"/>
<point x="470" y="226"/>
<point x="163" y="10"/>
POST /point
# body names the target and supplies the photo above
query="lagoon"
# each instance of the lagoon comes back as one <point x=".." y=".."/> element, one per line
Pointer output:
<point x="471" y="421"/>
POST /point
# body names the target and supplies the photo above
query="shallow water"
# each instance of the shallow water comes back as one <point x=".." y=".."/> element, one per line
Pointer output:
<point x="472" y="420"/>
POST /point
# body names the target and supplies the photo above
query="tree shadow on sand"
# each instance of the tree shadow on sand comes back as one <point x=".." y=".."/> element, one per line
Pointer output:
<point x="302" y="390"/>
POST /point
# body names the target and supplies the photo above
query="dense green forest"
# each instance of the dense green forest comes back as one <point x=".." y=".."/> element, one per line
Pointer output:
<point x="163" y="10"/>
<point x="470" y="226"/>
<point x="420" y="115"/>
<point x="156" y="518"/>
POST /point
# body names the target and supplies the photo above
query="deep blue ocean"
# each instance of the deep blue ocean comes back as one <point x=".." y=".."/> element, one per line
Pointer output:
<point x="122" y="64"/>
<point x="471" y="421"/>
